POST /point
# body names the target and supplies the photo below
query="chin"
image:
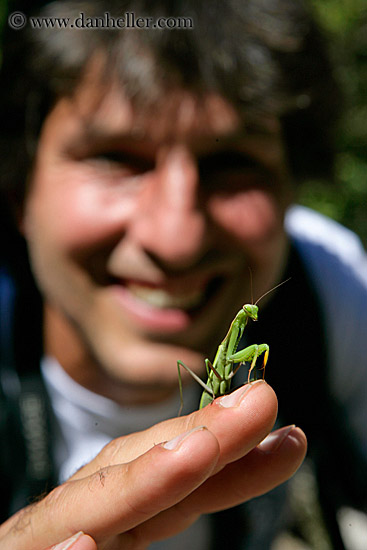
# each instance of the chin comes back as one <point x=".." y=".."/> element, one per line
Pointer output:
<point x="142" y="361"/>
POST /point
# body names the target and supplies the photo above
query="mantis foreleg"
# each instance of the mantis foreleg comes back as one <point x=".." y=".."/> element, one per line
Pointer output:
<point x="251" y="353"/>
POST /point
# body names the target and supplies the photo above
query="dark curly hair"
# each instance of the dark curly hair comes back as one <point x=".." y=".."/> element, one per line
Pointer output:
<point x="263" y="56"/>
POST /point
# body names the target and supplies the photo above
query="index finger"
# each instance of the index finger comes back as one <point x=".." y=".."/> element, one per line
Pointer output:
<point x="239" y="421"/>
<point x="116" y="498"/>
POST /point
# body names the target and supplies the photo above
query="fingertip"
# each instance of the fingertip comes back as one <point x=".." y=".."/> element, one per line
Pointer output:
<point x="297" y="438"/>
<point x="175" y="443"/>
<point x="79" y="541"/>
<point x="199" y="442"/>
<point x="240" y="395"/>
<point x="289" y="440"/>
<point x="86" y="543"/>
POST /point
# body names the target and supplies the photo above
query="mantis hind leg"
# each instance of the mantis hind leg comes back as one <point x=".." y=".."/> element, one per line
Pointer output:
<point x="195" y="377"/>
<point x="210" y="368"/>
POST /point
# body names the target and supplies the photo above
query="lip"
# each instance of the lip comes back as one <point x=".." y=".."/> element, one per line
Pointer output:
<point x="162" y="319"/>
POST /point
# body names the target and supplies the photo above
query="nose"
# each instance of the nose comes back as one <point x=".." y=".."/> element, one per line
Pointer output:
<point x="168" y="222"/>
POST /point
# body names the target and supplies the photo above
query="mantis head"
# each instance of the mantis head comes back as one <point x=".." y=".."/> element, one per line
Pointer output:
<point x="251" y="310"/>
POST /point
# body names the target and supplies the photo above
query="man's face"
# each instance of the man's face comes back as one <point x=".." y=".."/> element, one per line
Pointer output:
<point x="142" y="230"/>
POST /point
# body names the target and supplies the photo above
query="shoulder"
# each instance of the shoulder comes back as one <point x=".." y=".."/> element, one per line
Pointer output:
<point x="322" y="237"/>
<point x="336" y="262"/>
<point x="333" y="255"/>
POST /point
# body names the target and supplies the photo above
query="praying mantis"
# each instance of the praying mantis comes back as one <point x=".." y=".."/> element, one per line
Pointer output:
<point x="222" y="370"/>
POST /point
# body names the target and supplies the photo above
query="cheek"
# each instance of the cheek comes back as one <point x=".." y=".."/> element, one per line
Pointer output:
<point x="77" y="213"/>
<point x="253" y="216"/>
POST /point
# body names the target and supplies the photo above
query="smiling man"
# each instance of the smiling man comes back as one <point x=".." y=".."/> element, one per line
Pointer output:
<point x="143" y="244"/>
<point x="156" y="171"/>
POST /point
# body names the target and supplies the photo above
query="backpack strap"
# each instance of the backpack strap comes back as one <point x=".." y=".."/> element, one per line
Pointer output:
<point x="25" y="412"/>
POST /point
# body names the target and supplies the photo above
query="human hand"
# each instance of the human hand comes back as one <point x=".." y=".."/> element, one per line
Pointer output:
<point x="139" y="490"/>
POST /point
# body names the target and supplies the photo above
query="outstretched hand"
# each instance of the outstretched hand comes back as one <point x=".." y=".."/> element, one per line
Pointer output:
<point x="153" y="484"/>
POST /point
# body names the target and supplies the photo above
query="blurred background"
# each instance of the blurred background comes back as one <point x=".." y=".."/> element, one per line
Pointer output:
<point x="345" y="25"/>
<point x="345" y="200"/>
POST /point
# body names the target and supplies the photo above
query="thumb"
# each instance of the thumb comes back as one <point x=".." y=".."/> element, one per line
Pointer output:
<point x="79" y="541"/>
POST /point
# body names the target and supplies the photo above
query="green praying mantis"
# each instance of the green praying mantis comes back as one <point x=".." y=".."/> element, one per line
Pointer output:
<point x="228" y="360"/>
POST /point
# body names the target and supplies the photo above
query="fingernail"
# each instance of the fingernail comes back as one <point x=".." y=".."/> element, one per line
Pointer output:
<point x="68" y="542"/>
<point x="234" y="398"/>
<point x="273" y="441"/>
<point x="176" y="441"/>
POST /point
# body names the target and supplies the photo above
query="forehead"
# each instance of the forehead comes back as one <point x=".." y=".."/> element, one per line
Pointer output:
<point x="100" y="112"/>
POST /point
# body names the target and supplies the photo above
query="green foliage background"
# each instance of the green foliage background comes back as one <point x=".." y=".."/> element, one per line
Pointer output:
<point x="345" y="200"/>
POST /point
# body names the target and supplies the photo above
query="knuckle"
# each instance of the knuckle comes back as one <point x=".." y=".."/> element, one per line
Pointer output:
<point x="22" y="520"/>
<point x="112" y="447"/>
<point x="111" y="453"/>
<point x="98" y="479"/>
<point x="57" y="500"/>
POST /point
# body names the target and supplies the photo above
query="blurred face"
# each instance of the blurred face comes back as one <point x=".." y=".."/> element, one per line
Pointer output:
<point x="141" y="231"/>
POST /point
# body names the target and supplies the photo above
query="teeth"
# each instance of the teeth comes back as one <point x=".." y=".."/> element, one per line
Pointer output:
<point x="158" y="297"/>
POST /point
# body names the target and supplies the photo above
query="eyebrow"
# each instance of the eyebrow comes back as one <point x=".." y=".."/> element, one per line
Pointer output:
<point x="93" y="134"/>
<point x="94" y="138"/>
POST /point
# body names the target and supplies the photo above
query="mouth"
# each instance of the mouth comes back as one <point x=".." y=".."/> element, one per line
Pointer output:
<point x="163" y="298"/>
<point x="169" y="307"/>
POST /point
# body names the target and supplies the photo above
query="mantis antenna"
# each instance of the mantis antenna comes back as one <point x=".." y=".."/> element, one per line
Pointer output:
<point x="252" y="293"/>
<point x="271" y="290"/>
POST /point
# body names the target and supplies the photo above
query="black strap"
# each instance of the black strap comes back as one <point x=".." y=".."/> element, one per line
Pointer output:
<point x="26" y="456"/>
<point x="25" y="412"/>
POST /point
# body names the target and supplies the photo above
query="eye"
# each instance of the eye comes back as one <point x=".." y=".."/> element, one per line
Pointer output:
<point x="120" y="161"/>
<point x="229" y="171"/>
<point x="226" y="160"/>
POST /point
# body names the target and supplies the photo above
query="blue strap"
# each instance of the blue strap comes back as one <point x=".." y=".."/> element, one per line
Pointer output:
<point x="7" y="298"/>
